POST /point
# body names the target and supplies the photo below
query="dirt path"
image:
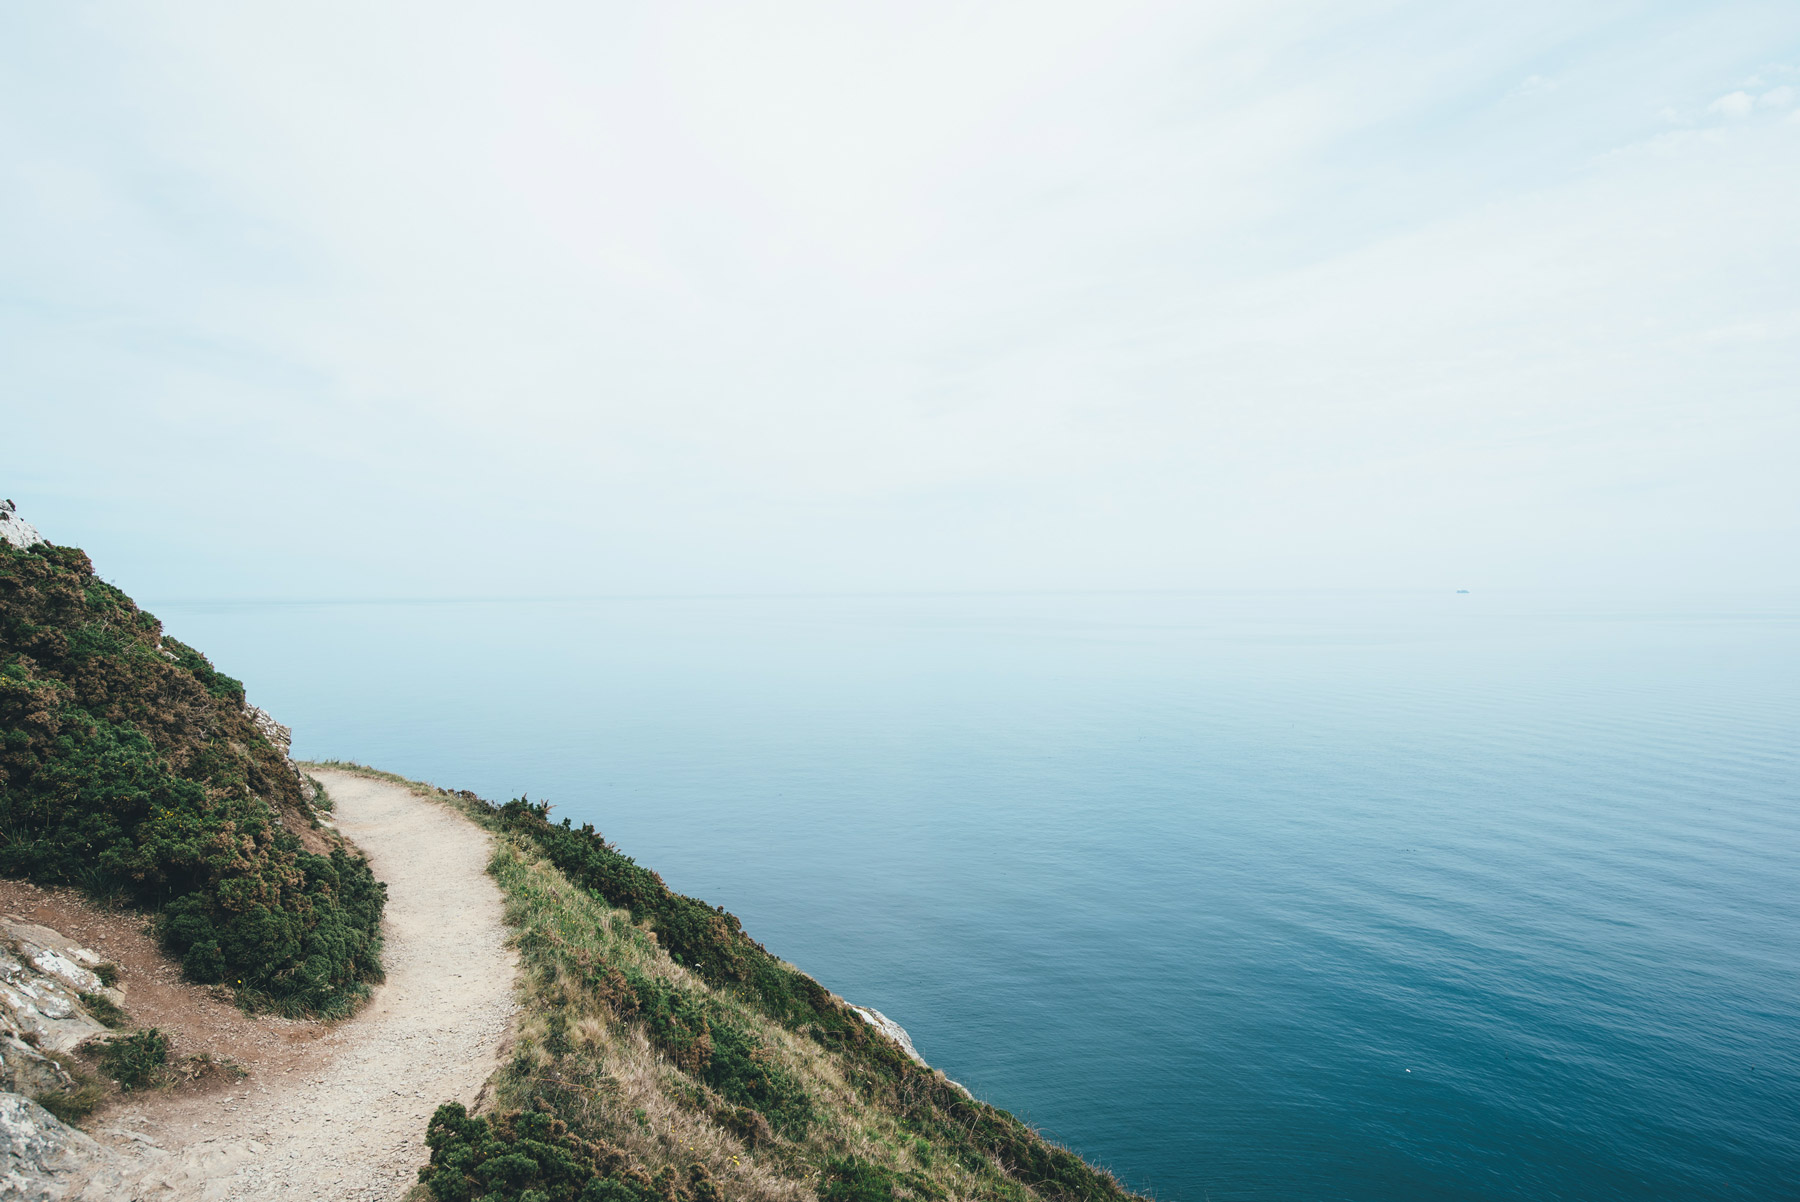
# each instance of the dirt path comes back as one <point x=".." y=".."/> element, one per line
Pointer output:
<point x="346" y="1117"/>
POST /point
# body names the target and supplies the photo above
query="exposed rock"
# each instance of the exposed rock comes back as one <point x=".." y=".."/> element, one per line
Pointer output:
<point x="53" y="963"/>
<point x="281" y="736"/>
<point x="40" y="1156"/>
<point x="25" y="1070"/>
<point x="891" y="1029"/>
<point x="15" y="531"/>
<point x="42" y="978"/>
<point x="897" y="1033"/>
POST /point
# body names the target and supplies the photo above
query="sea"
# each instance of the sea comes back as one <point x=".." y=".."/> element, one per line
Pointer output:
<point x="1347" y="895"/>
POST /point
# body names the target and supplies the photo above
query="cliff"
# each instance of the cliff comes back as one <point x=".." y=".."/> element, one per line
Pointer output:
<point x="662" y="1053"/>
<point x="659" y="1052"/>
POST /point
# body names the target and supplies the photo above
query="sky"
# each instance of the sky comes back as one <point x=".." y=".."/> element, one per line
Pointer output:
<point x="538" y="299"/>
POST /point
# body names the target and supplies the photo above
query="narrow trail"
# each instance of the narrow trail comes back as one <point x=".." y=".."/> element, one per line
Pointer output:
<point x="348" y="1119"/>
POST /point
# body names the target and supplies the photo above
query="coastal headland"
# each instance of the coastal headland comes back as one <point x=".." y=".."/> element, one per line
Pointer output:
<point x="319" y="980"/>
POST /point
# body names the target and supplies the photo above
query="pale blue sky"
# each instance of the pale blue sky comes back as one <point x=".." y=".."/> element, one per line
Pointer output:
<point x="548" y="299"/>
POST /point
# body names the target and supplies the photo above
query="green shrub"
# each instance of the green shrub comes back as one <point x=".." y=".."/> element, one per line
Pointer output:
<point x="742" y="1071"/>
<point x="136" y="1060"/>
<point x="321" y="798"/>
<point x="709" y="1046"/>
<point x="848" y="1179"/>
<point x="528" y="1156"/>
<point x="130" y="769"/>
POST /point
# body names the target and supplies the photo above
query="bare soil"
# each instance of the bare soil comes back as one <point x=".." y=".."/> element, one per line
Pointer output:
<point x="198" y="1019"/>
<point x="326" y="1110"/>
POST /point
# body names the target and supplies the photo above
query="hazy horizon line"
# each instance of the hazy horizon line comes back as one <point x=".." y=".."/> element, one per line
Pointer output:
<point x="875" y="594"/>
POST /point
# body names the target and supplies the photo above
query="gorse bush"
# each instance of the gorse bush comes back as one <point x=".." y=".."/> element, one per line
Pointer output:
<point x="848" y="1179"/>
<point x="531" y="1156"/>
<point x="696" y="1034"/>
<point x="130" y="768"/>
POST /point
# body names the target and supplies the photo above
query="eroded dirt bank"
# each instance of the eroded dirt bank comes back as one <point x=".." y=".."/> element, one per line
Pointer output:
<point x="342" y="1114"/>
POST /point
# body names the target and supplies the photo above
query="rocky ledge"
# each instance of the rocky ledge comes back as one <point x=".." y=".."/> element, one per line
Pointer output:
<point x="42" y="1159"/>
<point x="897" y="1033"/>
<point x="15" y="531"/>
<point x="47" y="986"/>
<point x="891" y="1029"/>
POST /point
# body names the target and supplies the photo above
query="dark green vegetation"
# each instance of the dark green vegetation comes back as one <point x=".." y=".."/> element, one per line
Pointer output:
<point x="665" y="1055"/>
<point x="130" y="767"/>
<point x="137" y="1060"/>
<point x="531" y="1155"/>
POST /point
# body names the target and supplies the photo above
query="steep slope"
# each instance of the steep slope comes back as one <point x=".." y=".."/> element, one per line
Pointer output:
<point x="663" y="1055"/>
<point x="131" y="768"/>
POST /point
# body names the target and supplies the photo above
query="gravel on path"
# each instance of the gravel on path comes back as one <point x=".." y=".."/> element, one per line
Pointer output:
<point x="348" y="1121"/>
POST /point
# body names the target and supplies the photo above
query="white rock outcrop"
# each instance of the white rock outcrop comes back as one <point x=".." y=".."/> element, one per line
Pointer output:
<point x="891" y="1029"/>
<point x="897" y="1033"/>
<point x="281" y="736"/>
<point x="282" y="739"/>
<point x="42" y="979"/>
<point x="13" y="530"/>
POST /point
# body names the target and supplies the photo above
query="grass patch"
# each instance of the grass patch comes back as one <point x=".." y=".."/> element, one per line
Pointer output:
<point x="136" y="1061"/>
<point x="321" y="798"/>
<point x="83" y="1094"/>
<point x="70" y="1105"/>
<point x="105" y="1010"/>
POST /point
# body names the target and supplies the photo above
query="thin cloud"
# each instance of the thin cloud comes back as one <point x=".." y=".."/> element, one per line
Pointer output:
<point x="900" y="296"/>
<point x="1733" y="104"/>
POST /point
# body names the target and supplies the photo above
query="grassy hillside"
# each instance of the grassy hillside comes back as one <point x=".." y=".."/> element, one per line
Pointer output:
<point x="130" y="768"/>
<point x="664" y="1056"/>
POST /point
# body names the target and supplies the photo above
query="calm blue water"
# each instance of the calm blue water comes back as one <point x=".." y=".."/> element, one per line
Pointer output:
<point x="1325" y="896"/>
